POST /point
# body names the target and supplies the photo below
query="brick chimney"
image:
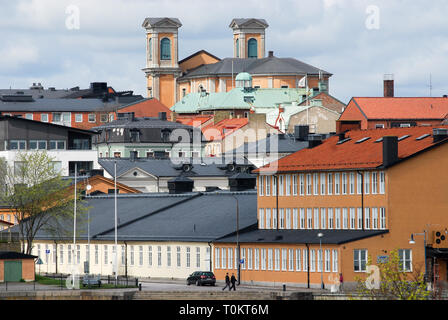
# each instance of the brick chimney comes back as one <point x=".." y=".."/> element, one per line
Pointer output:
<point x="388" y="85"/>
<point x="390" y="150"/>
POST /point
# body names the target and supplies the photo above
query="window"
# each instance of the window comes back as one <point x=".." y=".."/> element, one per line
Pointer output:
<point x="338" y="218"/>
<point x="302" y="218"/>
<point x="337" y="188"/>
<point x="382" y="182"/>
<point x="344" y="183"/>
<point x="189" y="258"/>
<point x="57" y="116"/>
<point x="374" y="182"/>
<point x="150" y="256"/>
<point x="316" y="184"/>
<point x="366" y="218"/>
<point x="57" y="145"/>
<point x="178" y="257"/>
<point x="260" y="185"/>
<point x="284" y="260"/>
<point x="359" y="260"/>
<point x="358" y="183"/>
<point x="217" y="258"/>
<point x="198" y="257"/>
<point x="352" y="183"/>
<point x="267" y="184"/>
<point x="223" y="258"/>
<point x="274" y="218"/>
<point x="374" y="218"/>
<point x="103" y="117"/>
<point x="322" y="183"/>
<point x="29" y="116"/>
<point x="165" y="49"/>
<point x="335" y="260"/>
<point x="330" y="218"/>
<point x="323" y="218"/>
<point x="263" y="259"/>
<point x="69" y="254"/>
<point x="261" y="218"/>
<point x="291" y="259"/>
<point x="280" y="185"/>
<point x="298" y="257"/>
<point x="288" y="218"/>
<point x="268" y="218"/>
<point x="316" y="218"/>
<point x="405" y="256"/>
<point x="309" y="218"/>
<point x="256" y="259"/>
<point x="96" y="254"/>
<point x="282" y="218"/>
<point x="274" y="185"/>
<point x="44" y="117"/>
<point x="302" y="184"/>
<point x="66" y="117"/>
<point x="277" y="260"/>
<point x="327" y="261"/>
<point x="288" y="184"/>
<point x="38" y="145"/>
<point x="308" y="185"/>
<point x="17" y="145"/>
<point x="294" y="184"/>
<point x="359" y="218"/>
<point x="78" y="117"/>
<point x="78" y="254"/>
<point x="237" y="45"/>
<point x="249" y="258"/>
<point x="330" y="183"/>
<point x="344" y="218"/>
<point x="159" y="256"/>
<point x="319" y="260"/>
<point x="252" y="48"/>
<point x="150" y="49"/>
<point x="61" y="254"/>
<point x="352" y="218"/>
<point x="270" y="261"/>
<point x="366" y="182"/>
<point x="92" y="117"/>
<point x="312" y="260"/>
<point x="168" y="256"/>
<point x="295" y="218"/>
<point x="382" y="218"/>
<point x="231" y="258"/>
<point x="305" y="260"/>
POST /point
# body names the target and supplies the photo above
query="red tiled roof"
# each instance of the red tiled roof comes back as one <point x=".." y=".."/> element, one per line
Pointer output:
<point x="195" y="121"/>
<point x="403" y="107"/>
<point x="224" y="127"/>
<point x="351" y="155"/>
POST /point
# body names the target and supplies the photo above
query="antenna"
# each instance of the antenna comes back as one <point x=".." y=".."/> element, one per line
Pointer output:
<point x="430" y="85"/>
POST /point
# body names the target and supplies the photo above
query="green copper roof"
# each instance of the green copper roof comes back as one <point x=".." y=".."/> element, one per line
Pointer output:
<point x="238" y="98"/>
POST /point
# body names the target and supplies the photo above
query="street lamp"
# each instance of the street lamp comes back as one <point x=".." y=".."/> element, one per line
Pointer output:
<point x="322" y="286"/>
<point x="412" y="241"/>
<point x="238" y="239"/>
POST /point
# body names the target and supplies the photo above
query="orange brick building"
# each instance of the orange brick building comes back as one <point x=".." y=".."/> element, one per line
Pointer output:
<point x="365" y="193"/>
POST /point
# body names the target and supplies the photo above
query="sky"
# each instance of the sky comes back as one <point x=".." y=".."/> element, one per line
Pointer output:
<point x="68" y="43"/>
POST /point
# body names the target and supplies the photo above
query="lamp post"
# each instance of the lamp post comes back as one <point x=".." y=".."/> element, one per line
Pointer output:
<point x="238" y="239"/>
<point x="88" y="188"/>
<point x="322" y="286"/>
<point x="412" y="241"/>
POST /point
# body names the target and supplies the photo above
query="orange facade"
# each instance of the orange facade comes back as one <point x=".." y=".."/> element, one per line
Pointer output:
<point x="395" y="202"/>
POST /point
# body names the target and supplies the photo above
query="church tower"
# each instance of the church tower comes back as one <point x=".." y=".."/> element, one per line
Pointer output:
<point x="162" y="68"/>
<point x="249" y="38"/>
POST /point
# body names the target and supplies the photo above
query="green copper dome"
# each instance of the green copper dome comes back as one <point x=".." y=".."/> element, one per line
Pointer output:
<point x="243" y="76"/>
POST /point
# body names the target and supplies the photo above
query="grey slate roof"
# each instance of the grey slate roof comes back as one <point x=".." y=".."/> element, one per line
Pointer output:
<point x="37" y="93"/>
<point x="162" y="217"/>
<point x="168" y="168"/>
<point x="59" y="105"/>
<point x="264" y="66"/>
<point x="155" y="21"/>
<point x="301" y="236"/>
<point x="242" y="21"/>
<point x="280" y="143"/>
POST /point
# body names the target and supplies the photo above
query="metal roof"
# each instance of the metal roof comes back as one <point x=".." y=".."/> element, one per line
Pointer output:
<point x="57" y="105"/>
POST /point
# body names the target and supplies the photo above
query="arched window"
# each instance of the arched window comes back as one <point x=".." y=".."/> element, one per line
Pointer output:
<point x="165" y="49"/>
<point x="237" y="45"/>
<point x="252" y="48"/>
<point x="150" y="48"/>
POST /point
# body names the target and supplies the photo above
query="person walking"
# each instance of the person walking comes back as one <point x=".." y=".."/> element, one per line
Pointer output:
<point x="233" y="280"/>
<point x="341" y="282"/>
<point x="227" y="282"/>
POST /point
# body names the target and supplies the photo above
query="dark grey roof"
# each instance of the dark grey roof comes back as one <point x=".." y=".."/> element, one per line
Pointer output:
<point x="205" y="167"/>
<point x="146" y="122"/>
<point x="37" y="93"/>
<point x="60" y="105"/>
<point x="241" y="21"/>
<point x="268" y="65"/>
<point x="155" y="21"/>
<point x="15" y="255"/>
<point x="182" y="217"/>
<point x="301" y="236"/>
<point x="280" y="143"/>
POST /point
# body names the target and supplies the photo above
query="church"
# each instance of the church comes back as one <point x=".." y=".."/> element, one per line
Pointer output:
<point x="170" y="79"/>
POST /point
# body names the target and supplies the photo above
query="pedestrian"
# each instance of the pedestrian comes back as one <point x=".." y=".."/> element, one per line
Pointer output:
<point x="227" y="282"/>
<point x="233" y="280"/>
<point x="341" y="282"/>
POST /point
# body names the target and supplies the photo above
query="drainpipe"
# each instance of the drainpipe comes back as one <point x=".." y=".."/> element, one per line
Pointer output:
<point x="308" y="265"/>
<point x="56" y="253"/>
<point x="276" y="200"/>
<point x="125" y="259"/>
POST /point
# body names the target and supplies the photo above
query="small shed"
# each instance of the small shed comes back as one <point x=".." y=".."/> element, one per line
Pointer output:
<point x="15" y="266"/>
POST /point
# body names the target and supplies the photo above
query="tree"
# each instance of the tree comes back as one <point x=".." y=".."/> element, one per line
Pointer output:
<point x="394" y="282"/>
<point x="39" y="197"/>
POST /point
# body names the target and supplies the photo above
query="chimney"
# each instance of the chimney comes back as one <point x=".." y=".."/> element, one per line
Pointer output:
<point x="162" y="116"/>
<point x="388" y="85"/>
<point x="314" y="140"/>
<point x="133" y="155"/>
<point x="341" y="136"/>
<point x="390" y="150"/>
<point x="270" y="54"/>
<point x="439" y="134"/>
<point x="301" y="132"/>
<point x="180" y="184"/>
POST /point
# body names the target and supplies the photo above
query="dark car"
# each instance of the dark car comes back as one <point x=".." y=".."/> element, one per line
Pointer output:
<point x="201" y="277"/>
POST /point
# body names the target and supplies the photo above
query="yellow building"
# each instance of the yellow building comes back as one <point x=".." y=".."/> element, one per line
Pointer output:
<point x="169" y="79"/>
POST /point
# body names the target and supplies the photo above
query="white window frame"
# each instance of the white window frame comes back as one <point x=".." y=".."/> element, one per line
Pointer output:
<point x="288" y="185"/>
<point x="374" y="182"/>
<point x="305" y="260"/>
<point x="337" y="183"/>
<point x="284" y="259"/>
<point x="315" y="184"/>
<point x="366" y="182"/>
<point x="359" y="218"/>
<point x="288" y="218"/>
<point x="405" y="260"/>
<point x="344" y="183"/>
<point x="78" y="116"/>
<point x="268" y="218"/>
<point x="281" y="218"/>
<point x="323" y="180"/>
<point x="367" y="218"/>
<point x="298" y="259"/>
<point x="335" y="260"/>
<point x="337" y="219"/>
<point x="382" y="225"/>
<point x="330" y="183"/>
<point x="374" y="218"/>
<point x="263" y="259"/>
<point x="261" y="218"/>
<point x="268" y="185"/>
<point x="323" y="218"/>
<point x="294" y="185"/>
<point x="312" y="260"/>
<point x="352" y="218"/>
<point x="309" y="185"/>
<point x="382" y="182"/>
<point x="281" y="182"/>
<point x="261" y="185"/>
<point x="302" y="184"/>
<point x="352" y="183"/>
<point x="295" y="218"/>
<point x="360" y="262"/>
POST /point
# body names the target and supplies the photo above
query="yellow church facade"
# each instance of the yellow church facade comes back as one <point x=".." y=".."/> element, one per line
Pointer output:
<point x="169" y="79"/>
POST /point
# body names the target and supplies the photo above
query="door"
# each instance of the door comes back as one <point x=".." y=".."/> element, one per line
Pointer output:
<point x="13" y="271"/>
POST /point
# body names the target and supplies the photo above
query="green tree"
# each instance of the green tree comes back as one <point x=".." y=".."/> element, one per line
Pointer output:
<point x="39" y="197"/>
<point x="395" y="283"/>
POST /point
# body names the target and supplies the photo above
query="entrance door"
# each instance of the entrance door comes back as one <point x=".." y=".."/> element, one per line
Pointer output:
<point x="13" y="271"/>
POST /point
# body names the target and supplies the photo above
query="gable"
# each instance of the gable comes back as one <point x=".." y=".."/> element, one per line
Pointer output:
<point x="137" y="173"/>
<point x="197" y="59"/>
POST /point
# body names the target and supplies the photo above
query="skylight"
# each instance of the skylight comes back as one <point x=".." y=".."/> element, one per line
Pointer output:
<point x="403" y="137"/>
<point x="422" y="137"/>
<point x="362" y="140"/>
<point x="343" y="141"/>
<point x="379" y="140"/>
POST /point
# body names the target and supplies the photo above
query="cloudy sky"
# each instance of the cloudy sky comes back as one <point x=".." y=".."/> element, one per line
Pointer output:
<point x="358" y="41"/>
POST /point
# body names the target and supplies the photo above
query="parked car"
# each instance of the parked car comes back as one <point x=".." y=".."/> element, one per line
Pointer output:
<point x="201" y="277"/>
<point x="91" y="279"/>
